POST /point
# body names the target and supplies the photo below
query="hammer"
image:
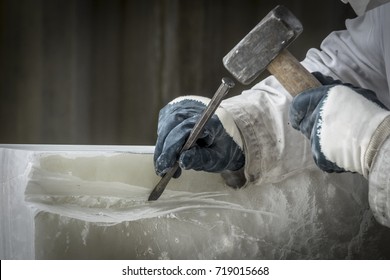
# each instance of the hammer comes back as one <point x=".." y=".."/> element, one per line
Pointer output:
<point x="265" y="48"/>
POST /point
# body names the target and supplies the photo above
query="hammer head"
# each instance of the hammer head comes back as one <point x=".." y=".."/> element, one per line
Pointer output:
<point x="262" y="44"/>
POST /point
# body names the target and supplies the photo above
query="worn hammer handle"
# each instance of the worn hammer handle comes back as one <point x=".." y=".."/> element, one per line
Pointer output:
<point x="291" y="74"/>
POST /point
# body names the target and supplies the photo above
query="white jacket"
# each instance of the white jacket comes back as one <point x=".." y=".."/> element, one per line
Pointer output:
<point x="359" y="55"/>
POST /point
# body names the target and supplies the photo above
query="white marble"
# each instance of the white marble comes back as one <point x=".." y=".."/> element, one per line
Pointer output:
<point x="90" y="202"/>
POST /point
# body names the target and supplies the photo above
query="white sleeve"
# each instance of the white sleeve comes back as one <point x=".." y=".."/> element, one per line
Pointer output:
<point x="272" y="147"/>
<point x="379" y="185"/>
<point x="359" y="55"/>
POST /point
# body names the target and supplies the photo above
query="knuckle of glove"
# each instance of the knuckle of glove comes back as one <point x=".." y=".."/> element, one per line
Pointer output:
<point x="305" y="108"/>
<point x="325" y="80"/>
<point x="176" y="112"/>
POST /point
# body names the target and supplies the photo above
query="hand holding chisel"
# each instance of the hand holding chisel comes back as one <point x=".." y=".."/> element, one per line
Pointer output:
<point x="223" y="89"/>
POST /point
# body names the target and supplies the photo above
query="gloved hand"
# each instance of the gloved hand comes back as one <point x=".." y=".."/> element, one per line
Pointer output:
<point x="341" y="122"/>
<point x="219" y="148"/>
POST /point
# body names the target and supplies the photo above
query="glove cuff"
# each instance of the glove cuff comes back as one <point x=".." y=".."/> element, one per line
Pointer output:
<point x="378" y="138"/>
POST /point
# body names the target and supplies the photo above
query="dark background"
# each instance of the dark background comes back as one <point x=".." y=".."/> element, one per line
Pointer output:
<point x="97" y="72"/>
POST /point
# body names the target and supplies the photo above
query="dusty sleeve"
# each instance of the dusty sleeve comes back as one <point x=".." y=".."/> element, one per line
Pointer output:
<point x="272" y="147"/>
<point x="379" y="184"/>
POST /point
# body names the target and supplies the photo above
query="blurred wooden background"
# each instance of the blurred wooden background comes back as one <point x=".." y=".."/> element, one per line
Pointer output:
<point x="97" y="72"/>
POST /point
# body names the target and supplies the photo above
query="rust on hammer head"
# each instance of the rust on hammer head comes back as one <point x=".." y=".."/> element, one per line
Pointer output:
<point x="262" y="44"/>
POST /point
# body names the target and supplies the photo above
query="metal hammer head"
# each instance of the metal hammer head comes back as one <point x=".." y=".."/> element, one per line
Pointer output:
<point x="262" y="44"/>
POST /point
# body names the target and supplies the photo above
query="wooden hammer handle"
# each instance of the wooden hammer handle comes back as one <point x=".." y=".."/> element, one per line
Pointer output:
<point x="291" y="74"/>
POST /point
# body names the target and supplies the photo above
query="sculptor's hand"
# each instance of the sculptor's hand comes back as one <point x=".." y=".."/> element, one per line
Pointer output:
<point x="219" y="148"/>
<point x="340" y="121"/>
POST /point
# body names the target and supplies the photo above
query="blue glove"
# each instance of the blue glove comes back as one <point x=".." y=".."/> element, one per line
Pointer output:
<point x="340" y="121"/>
<point x="219" y="148"/>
